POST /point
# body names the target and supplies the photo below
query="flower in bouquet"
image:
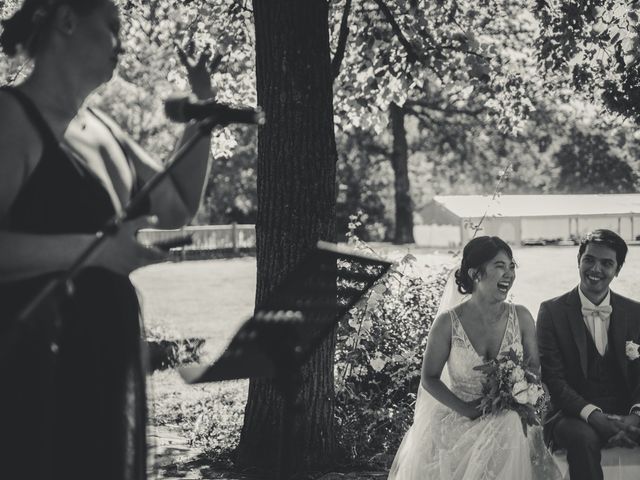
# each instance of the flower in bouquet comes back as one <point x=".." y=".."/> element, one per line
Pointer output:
<point x="510" y="386"/>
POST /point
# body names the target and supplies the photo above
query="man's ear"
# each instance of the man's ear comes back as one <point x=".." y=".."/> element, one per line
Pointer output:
<point x="65" y="19"/>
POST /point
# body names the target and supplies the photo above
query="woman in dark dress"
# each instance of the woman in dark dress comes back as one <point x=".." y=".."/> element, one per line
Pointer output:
<point x="73" y="406"/>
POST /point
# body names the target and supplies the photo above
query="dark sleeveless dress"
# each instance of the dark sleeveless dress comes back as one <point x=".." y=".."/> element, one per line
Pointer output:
<point x="79" y="413"/>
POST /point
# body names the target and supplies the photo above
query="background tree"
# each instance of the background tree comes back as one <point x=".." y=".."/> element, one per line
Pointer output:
<point x="420" y="58"/>
<point x="589" y="50"/>
<point x="588" y="164"/>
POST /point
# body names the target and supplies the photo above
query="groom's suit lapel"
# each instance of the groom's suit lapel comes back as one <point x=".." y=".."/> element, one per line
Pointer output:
<point x="576" y="324"/>
<point x="618" y="333"/>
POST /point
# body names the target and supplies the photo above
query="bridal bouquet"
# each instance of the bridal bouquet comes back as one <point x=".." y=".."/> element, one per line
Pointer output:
<point x="509" y="386"/>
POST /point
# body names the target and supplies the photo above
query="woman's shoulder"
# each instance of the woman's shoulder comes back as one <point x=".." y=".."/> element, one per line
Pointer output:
<point x="16" y="129"/>
<point x="442" y="323"/>
<point x="520" y="310"/>
<point x="523" y="315"/>
<point x="20" y="150"/>
<point x="20" y="142"/>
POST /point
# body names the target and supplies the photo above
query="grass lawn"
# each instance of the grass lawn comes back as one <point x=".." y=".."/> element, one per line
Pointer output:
<point x="207" y="299"/>
<point x="211" y="299"/>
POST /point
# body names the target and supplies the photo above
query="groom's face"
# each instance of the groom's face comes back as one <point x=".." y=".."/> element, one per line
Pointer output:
<point x="598" y="267"/>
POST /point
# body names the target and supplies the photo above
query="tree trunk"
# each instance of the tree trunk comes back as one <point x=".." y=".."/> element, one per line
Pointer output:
<point x="400" y="160"/>
<point x="296" y="208"/>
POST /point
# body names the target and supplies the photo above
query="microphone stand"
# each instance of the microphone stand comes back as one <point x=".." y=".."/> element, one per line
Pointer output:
<point x="111" y="227"/>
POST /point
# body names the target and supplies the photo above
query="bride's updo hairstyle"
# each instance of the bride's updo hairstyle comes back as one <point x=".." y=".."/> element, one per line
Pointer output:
<point x="26" y="29"/>
<point x="476" y="254"/>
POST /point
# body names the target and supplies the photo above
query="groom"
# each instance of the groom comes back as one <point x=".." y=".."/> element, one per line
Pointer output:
<point x="587" y="361"/>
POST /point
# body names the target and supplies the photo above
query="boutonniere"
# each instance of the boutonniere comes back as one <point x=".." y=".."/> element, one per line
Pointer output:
<point x="632" y="350"/>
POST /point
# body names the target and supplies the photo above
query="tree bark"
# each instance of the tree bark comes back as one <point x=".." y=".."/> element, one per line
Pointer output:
<point x="296" y="208"/>
<point x="400" y="160"/>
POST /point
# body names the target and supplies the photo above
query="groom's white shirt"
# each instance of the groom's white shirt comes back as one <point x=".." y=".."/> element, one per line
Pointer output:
<point x="603" y="339"/>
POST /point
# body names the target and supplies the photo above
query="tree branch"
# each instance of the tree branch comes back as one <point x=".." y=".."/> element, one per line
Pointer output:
<point x="423" y="117"/>
<point x="438" y="108"/>
<point x="342" y="40"/>
<point x="412" y="55"/>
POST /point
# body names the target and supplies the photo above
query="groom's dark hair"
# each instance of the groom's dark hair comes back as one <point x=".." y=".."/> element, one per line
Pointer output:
<point x="476" y="254"/>
<point x="606" y="238"/>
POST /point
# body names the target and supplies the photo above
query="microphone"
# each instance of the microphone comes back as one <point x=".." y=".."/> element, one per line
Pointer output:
<point x="185" y="109"/>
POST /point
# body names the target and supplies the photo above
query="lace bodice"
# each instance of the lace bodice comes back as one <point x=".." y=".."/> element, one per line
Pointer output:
<point x="466" y="382"/>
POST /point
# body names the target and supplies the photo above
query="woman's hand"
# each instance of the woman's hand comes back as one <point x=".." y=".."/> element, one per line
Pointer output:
<point x="122" y="253"/>
<point x="473" y="409"/>
<point x="200" y="67"/>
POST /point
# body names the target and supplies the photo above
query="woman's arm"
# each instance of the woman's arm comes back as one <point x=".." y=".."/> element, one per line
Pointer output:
<point x="176" y="200"/>
<point x="529" y="340"/>
<point x="25" y="255"/>
<point x="435" y="357"/>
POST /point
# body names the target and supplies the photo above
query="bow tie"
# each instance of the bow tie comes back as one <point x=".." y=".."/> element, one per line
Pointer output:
<point x="602" y="312"/>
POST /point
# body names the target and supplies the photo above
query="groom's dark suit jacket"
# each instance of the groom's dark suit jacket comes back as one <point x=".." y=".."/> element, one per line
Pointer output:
<point x="562" y="341"/>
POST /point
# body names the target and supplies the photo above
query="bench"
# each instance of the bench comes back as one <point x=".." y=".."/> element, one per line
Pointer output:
<point x="617" y="463"/>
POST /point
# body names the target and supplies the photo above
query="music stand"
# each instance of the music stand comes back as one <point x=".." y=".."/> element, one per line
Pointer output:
<point x="288" y="327"/>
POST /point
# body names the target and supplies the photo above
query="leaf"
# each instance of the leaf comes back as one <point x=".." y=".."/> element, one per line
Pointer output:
<point x="377" y="364"/>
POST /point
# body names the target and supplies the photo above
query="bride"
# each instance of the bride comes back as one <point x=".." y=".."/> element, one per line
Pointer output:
<point x="449" y="438"/>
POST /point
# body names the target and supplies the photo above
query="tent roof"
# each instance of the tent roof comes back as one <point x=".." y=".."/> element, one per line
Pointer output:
<point x="475" y="206"/>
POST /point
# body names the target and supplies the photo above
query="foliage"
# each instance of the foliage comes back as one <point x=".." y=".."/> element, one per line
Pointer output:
<point x="209" y="415"/>
<point x="589" y="164"/>
<point x="217" y="425"/>
<point x="378" y="358"/>
<point x="593" y="46"/>
<point x="458" y="67"/>
<point x="169" y="349"/>
<point x="469" y="74"/>
<point x="449" y="56"/>
<point x="364" y="180"/>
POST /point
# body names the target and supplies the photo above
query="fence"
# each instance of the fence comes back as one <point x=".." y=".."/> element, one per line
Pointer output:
<point x="208" y="240"/>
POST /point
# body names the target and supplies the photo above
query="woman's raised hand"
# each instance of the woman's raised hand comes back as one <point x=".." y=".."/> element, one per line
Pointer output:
<point x="122" y="253"/>
<point x="200" y="66"/>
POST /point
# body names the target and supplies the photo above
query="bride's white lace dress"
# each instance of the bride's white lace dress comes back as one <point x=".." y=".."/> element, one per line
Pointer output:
<point x="442" y="444"/>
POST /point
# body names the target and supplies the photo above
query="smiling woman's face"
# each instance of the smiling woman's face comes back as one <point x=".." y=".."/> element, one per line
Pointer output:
<point x="499" y="275"/>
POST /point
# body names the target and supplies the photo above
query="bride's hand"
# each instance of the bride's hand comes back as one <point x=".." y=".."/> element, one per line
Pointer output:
<point x="473" y="409"/>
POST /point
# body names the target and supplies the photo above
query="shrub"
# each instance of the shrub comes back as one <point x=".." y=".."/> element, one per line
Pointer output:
<point x="168" y="349"/>
<point x="209" y="415"/>
<point x="378" y="360"/>
<point x="215" y="423"/>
